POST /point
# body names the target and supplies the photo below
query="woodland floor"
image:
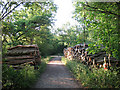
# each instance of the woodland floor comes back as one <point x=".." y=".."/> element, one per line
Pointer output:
<point x="56" y="75"/>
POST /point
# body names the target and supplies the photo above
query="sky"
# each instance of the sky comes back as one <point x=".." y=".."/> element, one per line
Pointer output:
<point x="64" y="13"/>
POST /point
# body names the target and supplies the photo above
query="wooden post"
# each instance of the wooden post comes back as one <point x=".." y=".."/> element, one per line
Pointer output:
<point x="94" y="63"/>
<point x="109" y="60"/>
<point x="89" y="59"/>
<point x="105" y="59"/>
<point x="105" y="64"/>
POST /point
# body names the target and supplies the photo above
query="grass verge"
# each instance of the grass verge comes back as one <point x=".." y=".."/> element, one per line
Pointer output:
<point x="23" y="78"/>
<point x="95" y="78"/>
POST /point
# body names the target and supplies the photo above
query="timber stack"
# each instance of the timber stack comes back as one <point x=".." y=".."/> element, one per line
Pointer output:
<point x="22" y="54"/>
<point x="79" y="52"/>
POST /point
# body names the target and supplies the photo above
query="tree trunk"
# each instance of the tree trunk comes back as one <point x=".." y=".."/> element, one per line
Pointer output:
<point x="109" y="59"/>
<point x="31" y="41"/>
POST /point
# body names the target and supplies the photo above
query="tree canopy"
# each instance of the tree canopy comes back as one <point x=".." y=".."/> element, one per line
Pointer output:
<point x="31" y="25"/>
<point x="101" y="20"/>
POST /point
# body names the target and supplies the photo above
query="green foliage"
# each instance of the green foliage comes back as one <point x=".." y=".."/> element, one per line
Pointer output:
<point x="17" y="78"/>
<point x="31" y="25"/>
<point x="95" y="78"/>
<point x="100" y="20"/>
<point x="70" y="35"/>
<point x="46" y="59"/>
<point x="24" y="24"/>
<point x="23" y="78"/>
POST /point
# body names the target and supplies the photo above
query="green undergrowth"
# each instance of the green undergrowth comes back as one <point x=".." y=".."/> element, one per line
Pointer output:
<point x="95" y="78"/>
<point x="23" y="78"/>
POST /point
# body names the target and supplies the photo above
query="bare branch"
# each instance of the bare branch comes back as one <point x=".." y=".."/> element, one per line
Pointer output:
<point x="10" y="11"/>
<point x="20" y="35"/>
<point x="5" y="11"/>
<point x="4" y="7"/>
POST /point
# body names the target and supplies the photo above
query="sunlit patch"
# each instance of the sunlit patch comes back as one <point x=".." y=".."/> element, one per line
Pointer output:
<point x="56" y="62"/>
<point x="54" y="56"/>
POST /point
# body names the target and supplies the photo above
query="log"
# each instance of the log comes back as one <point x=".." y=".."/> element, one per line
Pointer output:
<point x="19" y="58"/>
<point x="100" y="61"/>
<point x="97" y="55"/>
<point x="24" y="46"/>
<point x="113" y="61"/>
<point x="22" y="54"/>
<point x="18" y="52"/>
<point x="23" y="49"/>
<point x="99" y="58"/>
<point x="17" y="62"/>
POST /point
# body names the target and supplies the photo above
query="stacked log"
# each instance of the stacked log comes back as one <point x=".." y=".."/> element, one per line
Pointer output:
<point x="68" y="53"/>
<point x="79" y="52"/>
<point x="65" y="52"/>
<point x="21" y="54"/>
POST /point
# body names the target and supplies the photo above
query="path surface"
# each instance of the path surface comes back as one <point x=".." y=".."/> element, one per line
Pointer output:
<point x="56" y="75"/>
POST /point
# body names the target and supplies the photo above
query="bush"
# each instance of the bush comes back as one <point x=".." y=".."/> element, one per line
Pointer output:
<point x="23" y="78"/>
<point x="95" y="78"/>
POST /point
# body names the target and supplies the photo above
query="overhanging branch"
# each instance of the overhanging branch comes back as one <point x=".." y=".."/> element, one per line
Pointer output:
<point x="4" y="7"/>
<point x="10" y="11"/>
<point x="102" y="11"/>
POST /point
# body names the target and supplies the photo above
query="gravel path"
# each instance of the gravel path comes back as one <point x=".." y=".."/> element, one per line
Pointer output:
<point x="56" y="75"/>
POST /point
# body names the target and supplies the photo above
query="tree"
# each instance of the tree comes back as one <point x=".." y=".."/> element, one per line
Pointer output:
<point x="25" y="25"/>
<point x="27" y="22"/>
<point x="102" y="21"/>
<point x="70" y="35"/>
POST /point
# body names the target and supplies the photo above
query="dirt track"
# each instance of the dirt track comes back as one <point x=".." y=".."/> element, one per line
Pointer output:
<point x="56" y="75"/>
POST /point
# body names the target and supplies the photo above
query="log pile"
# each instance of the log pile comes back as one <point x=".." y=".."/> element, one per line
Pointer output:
<point x="79" y="52"/>
<point x="22" y="54"/>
